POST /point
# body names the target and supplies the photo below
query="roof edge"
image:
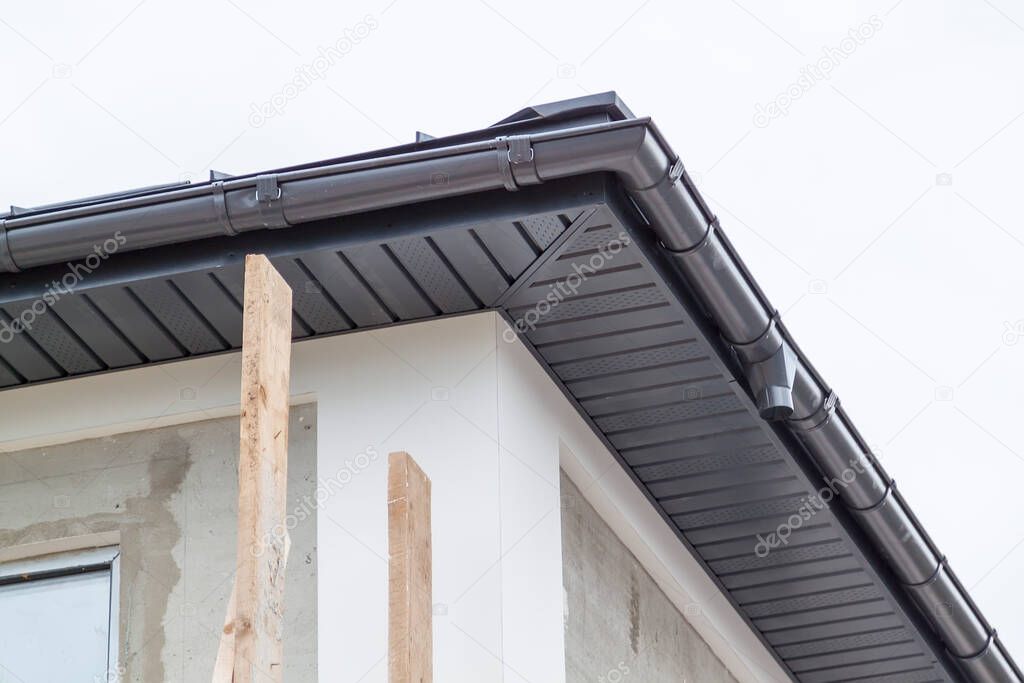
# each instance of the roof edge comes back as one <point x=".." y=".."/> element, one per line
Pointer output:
<point x="785" y="386"/>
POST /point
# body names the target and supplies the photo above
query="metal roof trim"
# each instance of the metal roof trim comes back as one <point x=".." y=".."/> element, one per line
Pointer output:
<point x="786" y="387"/>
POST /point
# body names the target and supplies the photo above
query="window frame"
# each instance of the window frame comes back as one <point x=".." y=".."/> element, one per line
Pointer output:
<point x="70" y="563"/>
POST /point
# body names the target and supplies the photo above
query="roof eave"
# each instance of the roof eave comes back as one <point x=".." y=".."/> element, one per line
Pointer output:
<point x="785" y="386"/>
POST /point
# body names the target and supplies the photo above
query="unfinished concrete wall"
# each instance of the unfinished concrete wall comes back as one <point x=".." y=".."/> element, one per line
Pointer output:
<point x="619" y="626"/>
<point x="171" y="494"/>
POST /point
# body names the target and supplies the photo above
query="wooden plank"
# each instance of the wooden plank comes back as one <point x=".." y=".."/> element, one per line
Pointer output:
<point x="223" y="668"/>
<point x="410" y="629"/>
<point x="262" y="473"/>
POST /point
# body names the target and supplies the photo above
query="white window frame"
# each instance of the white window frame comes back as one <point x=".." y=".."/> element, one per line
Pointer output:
<point x="69" y="564"/>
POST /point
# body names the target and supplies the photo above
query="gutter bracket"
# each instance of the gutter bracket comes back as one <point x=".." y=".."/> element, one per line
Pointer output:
<point x="269" y="202"/>
<point x="992" y="635"/>
<point x="675" y="171"/>
<point x="938" y="567"/>
<point x="517" y="162"/>
<point x="6" y="258"/>
<point x="819" y="417"/>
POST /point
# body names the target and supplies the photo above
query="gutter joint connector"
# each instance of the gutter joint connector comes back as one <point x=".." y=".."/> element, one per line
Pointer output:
<point x="6" y="257"/>
<point x="220" y="207"/>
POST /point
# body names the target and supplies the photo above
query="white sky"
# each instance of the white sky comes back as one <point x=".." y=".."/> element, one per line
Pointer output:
<point x="904" y="288"/>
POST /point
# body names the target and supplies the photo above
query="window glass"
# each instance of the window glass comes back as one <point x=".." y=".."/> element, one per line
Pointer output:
<point x="55" y="630"/>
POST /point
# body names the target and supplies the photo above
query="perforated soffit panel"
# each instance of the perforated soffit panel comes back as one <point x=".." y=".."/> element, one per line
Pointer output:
<point x="619" y="332"/>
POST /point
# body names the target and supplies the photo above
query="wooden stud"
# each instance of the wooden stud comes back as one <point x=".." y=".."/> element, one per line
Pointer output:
<point x="410" y="609"/>
<point x="262" y="474"/>
<point x="223" y="668"/>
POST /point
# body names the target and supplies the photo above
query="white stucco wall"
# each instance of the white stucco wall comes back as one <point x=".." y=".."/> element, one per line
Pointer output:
<point x="490" y="429"/>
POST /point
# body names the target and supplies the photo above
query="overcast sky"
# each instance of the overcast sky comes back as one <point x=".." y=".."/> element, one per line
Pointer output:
<point x="865" y="157"/>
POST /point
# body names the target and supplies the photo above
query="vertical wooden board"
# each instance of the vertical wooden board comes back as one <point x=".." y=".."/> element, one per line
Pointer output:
<point x="223" y="667"/>
<point x="410" y="603"/>
<point x="262" y="473"/>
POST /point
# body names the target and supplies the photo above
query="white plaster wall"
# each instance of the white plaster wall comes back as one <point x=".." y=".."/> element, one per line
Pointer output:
<point x="491" y="430"/>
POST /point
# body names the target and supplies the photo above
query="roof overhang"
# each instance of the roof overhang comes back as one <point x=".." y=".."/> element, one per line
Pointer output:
<point x="578" y="223"/>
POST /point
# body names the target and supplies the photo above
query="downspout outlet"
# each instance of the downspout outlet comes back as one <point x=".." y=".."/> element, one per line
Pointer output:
<point x="771" y="381"/>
